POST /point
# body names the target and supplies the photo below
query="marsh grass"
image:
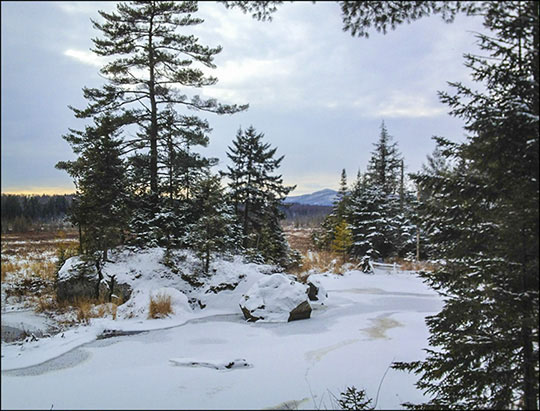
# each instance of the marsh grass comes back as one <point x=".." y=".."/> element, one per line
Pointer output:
<point x="160" y="306"/>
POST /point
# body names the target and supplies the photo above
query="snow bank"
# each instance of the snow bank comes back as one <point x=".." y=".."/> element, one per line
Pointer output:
<point x="139" y="303"/>
<point x="275" y="299"/>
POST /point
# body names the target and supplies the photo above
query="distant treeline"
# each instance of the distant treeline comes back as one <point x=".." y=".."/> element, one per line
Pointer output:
<point x="28" y="212"/>
<point x="305" y="214"/>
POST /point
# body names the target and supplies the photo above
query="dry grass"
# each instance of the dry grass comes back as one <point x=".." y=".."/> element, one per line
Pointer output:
<point x="92" y="308"/>
<point x="299" y="239"/>
<point x="45" y="303"/>
<point x="160" y="306"/>
<point x="42" y="269"/>
<point x="104" y="310"/>
<point x="84" y="310"/>
<point x="8" y="267"/>
<point x="413" y="265"/>
<point x="321" y="262"/>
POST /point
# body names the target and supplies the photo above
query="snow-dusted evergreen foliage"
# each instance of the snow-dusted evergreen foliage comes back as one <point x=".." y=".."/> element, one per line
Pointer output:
<point x="215" y="228"/>
<point x="384" y="166"/>
<point x="256" y="194"/>
<point x="378" y="210"/>
<point x="483" y="217"/>
<point x="152" y="60"/>
<point x="99" y="173"/>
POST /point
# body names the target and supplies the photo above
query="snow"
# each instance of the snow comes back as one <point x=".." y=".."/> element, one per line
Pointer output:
<point x="272" y="299"/>
<point x="138" y="304"/>
<point x="215" y="364"/>
<point x="180" y="361"/>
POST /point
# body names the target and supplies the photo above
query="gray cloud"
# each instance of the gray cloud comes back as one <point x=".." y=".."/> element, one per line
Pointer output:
<point x="316" y="92"/>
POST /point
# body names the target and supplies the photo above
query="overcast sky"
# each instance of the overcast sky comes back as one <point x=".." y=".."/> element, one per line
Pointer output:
<point x="317" y="93"/>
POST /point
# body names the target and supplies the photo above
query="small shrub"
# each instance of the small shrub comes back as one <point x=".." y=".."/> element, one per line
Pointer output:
<point x="160" y="306"/>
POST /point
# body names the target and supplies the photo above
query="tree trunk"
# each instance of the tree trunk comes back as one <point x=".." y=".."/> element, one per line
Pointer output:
<point x="153" y="113"/>
<point x="80" y="239"/>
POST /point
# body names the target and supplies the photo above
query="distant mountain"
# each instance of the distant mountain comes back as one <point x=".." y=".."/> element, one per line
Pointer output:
<point x="324" y="197"/>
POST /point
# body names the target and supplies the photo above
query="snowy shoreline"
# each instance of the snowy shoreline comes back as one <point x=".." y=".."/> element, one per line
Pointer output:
<point x="367" y="322"/>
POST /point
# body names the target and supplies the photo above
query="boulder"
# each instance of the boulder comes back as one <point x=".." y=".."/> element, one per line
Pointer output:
<point x="78" y="279"/>
<point x="112" y="290"/>
<point x="276" y="298"/>
<point x="316" y="291"/>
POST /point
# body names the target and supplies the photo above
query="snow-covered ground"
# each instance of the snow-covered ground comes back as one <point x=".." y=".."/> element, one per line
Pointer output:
<point x="212" y="358"/>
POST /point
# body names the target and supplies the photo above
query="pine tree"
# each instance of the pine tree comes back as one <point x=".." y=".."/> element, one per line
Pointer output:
<point x="342" y="239"/>
<point x="100" y="179"/>
<point x="486" y="225"/>
<point x="151" y="62"/>
<point x="384" y="166"/>
<point x="215" y="228"/>
<point x="374" y="204"/>
<point x="256" y="193"/>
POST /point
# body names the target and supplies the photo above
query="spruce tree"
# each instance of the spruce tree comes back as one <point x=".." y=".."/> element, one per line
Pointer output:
<point x="486" y="220"/>
<point x="215" y="228"/>
<point x="374" y="210"/>
<point x="384" y="166"/>
<point x="99" y="175"/>
<point x="256" y="193"/>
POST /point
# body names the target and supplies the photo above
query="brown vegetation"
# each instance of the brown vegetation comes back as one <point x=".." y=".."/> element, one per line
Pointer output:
<point x="160" y="306"/>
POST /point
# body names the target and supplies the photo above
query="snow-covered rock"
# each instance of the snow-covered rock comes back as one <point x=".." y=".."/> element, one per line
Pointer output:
<point x="276" y="299"/>
<point x="316" y="291"/>
<point x="76" y="279"/>
<point x="79" y="279"/>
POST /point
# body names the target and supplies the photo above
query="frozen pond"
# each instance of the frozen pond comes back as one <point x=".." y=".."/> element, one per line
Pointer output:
<point x="366" y="323"/>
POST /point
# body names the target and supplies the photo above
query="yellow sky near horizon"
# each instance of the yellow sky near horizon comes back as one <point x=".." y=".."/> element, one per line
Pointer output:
<point x="39" y="190"/>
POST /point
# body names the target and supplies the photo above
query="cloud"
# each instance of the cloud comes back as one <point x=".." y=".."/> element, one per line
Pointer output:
<point x="83" y="7"/>
<point x="85" y="57"/>
<point x="406" y="105"/>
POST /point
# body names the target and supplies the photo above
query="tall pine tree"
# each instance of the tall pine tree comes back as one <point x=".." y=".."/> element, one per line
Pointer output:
<point x="154" y="63"/>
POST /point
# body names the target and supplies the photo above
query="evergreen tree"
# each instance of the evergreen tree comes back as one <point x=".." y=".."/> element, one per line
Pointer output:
<point x="374" y="212"/>
<point x="100" y="179"/>
<point x="256" y="193"/>
<point x="486" y="225"/>
<point x="437" y="166"/>
<point x="215" y="228"/>
<point x="151" y="62"/>
<point x="384" y="166"/>
<point x="371" y="229"/>
<point x="342" y="239"/>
